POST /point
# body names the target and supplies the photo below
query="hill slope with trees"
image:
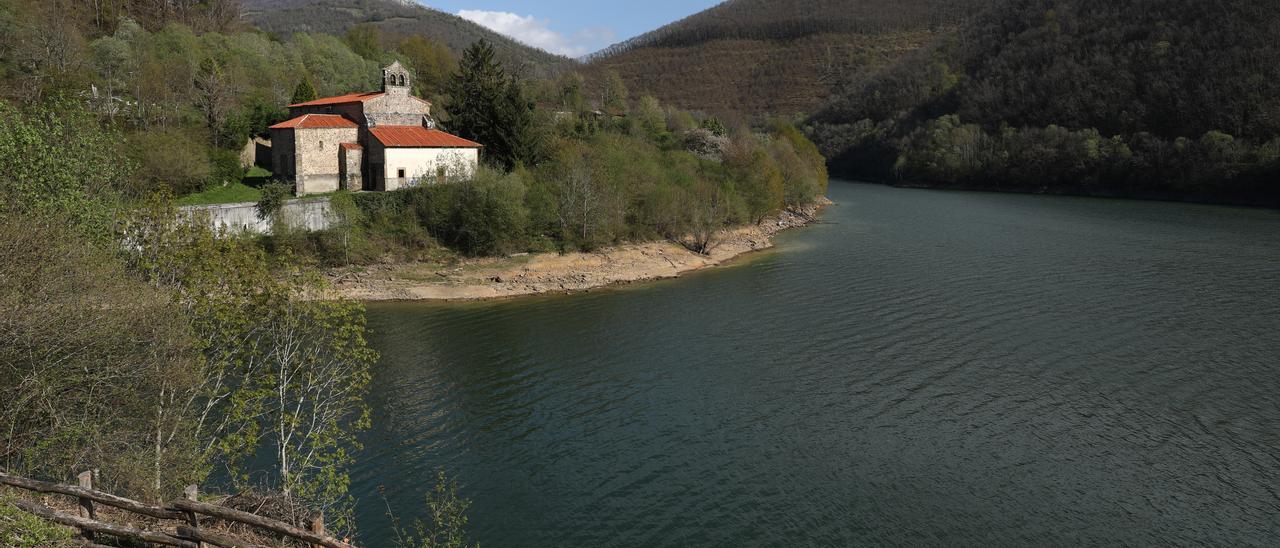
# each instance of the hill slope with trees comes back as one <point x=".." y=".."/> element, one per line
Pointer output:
<point x="397" y="19"/>
<point x="1153" y="98"/>
<point x="779" y="57"/>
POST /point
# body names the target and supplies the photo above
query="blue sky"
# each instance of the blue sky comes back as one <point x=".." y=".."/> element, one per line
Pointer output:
<point x="571" y="27"/>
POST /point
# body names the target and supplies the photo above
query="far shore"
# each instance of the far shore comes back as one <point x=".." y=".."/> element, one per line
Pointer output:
<point x="548" y="273"/>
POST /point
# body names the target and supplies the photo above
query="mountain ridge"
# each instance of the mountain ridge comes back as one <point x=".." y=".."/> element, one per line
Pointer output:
<point x="774" y="57"/>
<point x="399" y="17"/>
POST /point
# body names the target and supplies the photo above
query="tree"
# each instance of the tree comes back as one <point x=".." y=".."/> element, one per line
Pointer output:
<point x="614" y="94"/>
<point x="215" y="93"/>
<point x="755" y="175"/>
<point x="488" y="106"/>
<point x="432" y="63"/>
<point x="570" y="92"/>
<point x="56" y="160"/>
<point x="168" y="159"/>
<point x="651" y="116"/>
<point x="304" y="93"/>
<point x="90" y="385"/>
<point x="112" y="57"/>
<point x="366" y="40"/>
<point x="281" y="374"/>
<point x="447" y="519"/>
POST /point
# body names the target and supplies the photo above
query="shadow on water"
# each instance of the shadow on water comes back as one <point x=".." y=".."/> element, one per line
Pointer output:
<point x="930" y="368"/>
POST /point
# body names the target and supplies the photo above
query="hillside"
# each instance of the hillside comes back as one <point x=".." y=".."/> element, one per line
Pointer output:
<point x="783" y="57"/>
<point x="397" y="17"/>
<point x="1141" y="97"/>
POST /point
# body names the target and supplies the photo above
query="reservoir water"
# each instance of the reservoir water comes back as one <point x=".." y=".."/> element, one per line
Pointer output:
<point x="927" y="368"/>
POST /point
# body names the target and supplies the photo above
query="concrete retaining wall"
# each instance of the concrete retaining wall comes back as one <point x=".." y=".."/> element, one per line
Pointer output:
<point x="313" y="214"/>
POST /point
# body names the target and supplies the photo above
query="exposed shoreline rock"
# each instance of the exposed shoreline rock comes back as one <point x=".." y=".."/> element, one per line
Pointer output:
<point x="547" y="273"/>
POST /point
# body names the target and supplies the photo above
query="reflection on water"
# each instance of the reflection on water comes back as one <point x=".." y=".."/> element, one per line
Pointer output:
<point x="929" y="368"/>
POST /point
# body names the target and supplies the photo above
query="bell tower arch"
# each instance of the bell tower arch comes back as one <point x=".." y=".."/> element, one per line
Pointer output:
<point x="396" y="80"/>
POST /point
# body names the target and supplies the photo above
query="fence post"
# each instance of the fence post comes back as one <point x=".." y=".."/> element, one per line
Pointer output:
<point x="85" y="480"/>
<point x="317" y="527"/>
<point x="192" y="493"/>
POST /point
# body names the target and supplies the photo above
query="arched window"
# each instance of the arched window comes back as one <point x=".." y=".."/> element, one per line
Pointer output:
<point x="402" y="79"/>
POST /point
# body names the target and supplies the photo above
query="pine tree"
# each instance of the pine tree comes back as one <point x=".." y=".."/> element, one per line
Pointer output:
<point x="304" y="92"/>
<point x="490" y="107"/>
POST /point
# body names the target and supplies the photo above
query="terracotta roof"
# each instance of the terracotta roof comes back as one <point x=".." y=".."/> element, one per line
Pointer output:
<point x="342" y="99"/>
<point x="351" y="146"/>
<point x="316" y="121"/>
<point x="419" y="137"/>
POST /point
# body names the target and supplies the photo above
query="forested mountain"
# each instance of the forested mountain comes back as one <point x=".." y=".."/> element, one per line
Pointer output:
<point x="397" y="18"/>
<point x="1136" y="97"/>
<point x="780" y="57"/>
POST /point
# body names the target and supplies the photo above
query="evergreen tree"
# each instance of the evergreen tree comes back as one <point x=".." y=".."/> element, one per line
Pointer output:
<point x="304" y="92"/>
<point x="490" y="107"/>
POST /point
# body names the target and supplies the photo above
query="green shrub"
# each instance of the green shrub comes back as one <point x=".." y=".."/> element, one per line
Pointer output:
<point x="19" y="529"/>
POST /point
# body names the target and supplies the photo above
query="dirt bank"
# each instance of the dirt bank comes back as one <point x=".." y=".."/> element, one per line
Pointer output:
<point x="478" y="279"/>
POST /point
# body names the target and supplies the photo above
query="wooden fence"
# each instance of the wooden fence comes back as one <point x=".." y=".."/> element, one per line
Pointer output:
<point x="187" y="534"/>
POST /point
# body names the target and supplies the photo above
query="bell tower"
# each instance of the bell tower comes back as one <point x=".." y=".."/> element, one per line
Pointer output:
<point x="395" y="80"/>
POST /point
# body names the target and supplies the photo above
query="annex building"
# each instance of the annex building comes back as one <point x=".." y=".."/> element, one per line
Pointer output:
<point x="380" y="141"/>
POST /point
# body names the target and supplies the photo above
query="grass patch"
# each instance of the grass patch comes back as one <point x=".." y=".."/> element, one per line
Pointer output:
<point x="22" y="530"/>
<point x="229" y="194"/>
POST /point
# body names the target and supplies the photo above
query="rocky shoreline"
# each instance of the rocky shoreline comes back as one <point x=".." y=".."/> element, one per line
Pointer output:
<point x="544" y="273"/>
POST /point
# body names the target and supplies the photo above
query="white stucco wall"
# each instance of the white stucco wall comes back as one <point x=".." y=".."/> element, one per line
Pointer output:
<point x="418" y="163"/>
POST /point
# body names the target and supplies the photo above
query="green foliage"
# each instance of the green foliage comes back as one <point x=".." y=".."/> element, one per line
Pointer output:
<point x="715" y="126"/>
<point x="432" y="63"/>
<point x="615" y="97"/>
<point x="274" y="196"/>
<point x="56" y="160"/>
<point x="304" y="93"/>
<point x="490" y="107"/>
<point x="482" y="215"/>
<point x="91" y="385"/>
<point x="235" y="193"/>
<point x="168" y="159"/>
<point x="281" y="374"/>
<point x="947" y="150"/>
<point x="1097" y="98"/>
<point x="366" y="41"/>
<point x="19" y="529"/>
<point x="446" y="520"/>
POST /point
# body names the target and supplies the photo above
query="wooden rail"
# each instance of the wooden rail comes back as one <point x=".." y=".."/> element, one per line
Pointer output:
<point x="95" y="526"/>
<point x="187" y="535"/>
<point x="90" y="494"/>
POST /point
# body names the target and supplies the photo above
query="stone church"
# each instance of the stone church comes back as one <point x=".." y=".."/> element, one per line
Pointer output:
<point x="382" y="140"/>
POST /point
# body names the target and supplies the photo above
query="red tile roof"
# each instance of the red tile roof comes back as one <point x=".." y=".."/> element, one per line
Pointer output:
<point x="419" y="137"/>
<point x="316" y="121"/>
<point x="352" y="146"/>
<point x="342" y="99"/>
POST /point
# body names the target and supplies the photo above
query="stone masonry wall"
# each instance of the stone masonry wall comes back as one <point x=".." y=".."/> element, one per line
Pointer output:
<point x="395" y="109"/>
<point x="352" y="168"/>
<point x="319" y="169"/>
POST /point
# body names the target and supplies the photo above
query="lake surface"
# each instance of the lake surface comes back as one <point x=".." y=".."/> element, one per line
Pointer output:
<point x="928" y="368"/>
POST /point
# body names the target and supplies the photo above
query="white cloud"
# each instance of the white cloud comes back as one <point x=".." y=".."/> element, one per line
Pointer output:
<point x="537" y="33"/>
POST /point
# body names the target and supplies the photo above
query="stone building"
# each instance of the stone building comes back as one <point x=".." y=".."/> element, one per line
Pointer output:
<point x="383" y="140"/>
